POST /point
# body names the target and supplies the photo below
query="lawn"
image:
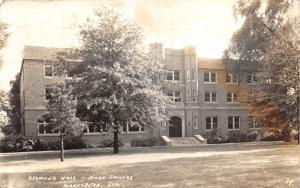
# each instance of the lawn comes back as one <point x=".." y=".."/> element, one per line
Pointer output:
<point x="228" y="165"/>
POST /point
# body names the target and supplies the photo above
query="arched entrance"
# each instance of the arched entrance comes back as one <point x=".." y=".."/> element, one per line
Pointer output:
<point x="175" y="127"/>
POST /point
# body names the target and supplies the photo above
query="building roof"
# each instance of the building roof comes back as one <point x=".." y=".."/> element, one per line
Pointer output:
<point x="44" y="53"/>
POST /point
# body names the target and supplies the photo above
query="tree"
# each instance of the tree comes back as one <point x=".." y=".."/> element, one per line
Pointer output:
<point x="14" y="110"/>
<point x="269" y="38"/>
<point x="62" y="113"/>
<point x="119" y="79"/>
<point x="3" y="100"/>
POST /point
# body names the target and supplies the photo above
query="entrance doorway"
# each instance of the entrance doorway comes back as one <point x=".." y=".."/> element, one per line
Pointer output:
<point x="175" y="127"/>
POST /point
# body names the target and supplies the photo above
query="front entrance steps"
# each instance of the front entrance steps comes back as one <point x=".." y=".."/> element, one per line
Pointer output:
<point x="184" y="141"/>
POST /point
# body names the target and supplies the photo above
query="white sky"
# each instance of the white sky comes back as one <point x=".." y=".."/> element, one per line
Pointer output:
<point x="207" y="24"/>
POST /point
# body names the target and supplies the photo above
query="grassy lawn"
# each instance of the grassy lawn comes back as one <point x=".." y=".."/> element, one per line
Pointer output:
<point x="231" y="165"/>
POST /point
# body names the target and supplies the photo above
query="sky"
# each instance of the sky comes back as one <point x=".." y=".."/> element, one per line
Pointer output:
<point x="207" y="24"/>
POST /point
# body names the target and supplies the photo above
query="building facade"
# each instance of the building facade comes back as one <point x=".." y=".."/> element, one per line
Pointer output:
<point x="205" y="95"/>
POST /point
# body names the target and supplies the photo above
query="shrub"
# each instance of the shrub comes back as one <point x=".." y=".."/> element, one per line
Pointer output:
<point x="110" y="143"/>
<point x="70" y="142"/>
<point x="214" y="137"/>
<point x="237" y="136"/>
<point x="147" y="142"/>
<point x="272" y="137"/>
<point x="17" y="143"/>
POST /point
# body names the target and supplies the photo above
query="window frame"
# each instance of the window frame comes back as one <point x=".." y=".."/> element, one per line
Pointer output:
<point x="253" y="78"/>
<point x="172" y="73"/>
<point x="52" y="74"/>
<point x="232" y="97"/>
<point x="234" y="122"/>
<point x="212" y="124"/>
<point x="45" y="124"/>
<point x="210" y="97"/>
<point x="210" y="78"/>
<point x="127" y="129"/>
<point x="254" y="123"/>
<point x="231" y="77"/>
<point x="86" y="130"/>
<point x="175" y="95"/>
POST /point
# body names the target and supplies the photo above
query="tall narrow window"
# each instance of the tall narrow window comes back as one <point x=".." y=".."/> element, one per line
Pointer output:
<point x="48" y="93"/>
<point x="194" y="95"/>
<point x="188" y="75"/>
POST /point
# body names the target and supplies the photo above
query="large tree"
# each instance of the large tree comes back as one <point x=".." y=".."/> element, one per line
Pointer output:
<point x="119" y="79"/>
<point x="269" y="39"/>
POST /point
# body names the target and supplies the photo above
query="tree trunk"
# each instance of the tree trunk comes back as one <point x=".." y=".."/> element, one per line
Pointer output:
<point x="116" y="141"/>
<point x="61" y="147"/>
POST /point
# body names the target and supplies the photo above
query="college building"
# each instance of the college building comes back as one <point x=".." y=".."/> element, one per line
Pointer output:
<point x="207" y="95"/>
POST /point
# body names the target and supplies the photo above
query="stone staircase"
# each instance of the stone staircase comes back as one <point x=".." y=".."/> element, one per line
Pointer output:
<point x="185" y="141"/>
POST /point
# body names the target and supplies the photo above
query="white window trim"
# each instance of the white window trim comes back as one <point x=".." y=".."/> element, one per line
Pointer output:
<point x="233" y="123"/>
<point x="44" y="134"/>
<point x="211" y="123"/>
<point x="231" y="78"/>
<point x="173" y="97"/>
<point x="253" y="123"/>
<point x="134" y="132"/>
<point x="210" y="97"/>
<point x="173" y="76"/>
<point x="45" y="71"/>
<point x="232" y="98"/>
<point x="209" y="77"/>
<point x="88" y="129"/>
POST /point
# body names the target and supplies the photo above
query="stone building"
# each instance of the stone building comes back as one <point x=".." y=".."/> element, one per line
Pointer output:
<point x="206" y="96"/>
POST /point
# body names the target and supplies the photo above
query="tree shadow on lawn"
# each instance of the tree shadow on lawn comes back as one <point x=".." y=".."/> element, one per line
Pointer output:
<point x="258" y="169"/>
<point x="86" y="153"/>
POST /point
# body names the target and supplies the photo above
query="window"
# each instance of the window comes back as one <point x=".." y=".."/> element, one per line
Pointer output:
<point x="210" y="97"/>
<point x="232" y="97"/>
<point x="194" y="95"/>
<point x="193" y="75"/>
<point x="175" y="96"/>
<point x="173" y="75"/>
<point x="94" y="127"/>
<point x="251" y="78"/>
<point x="231" y="78"/>
<point x="210" y="77"/>
<point x="233" y="122"/>
<point x="195" y="122"/>
<point x="45" y="128"/>
<point x="211" y="122"/>
<point x="253" y="124"/>
<point x="133" y="127"/>
<point x="188" y="75"/>
<point x="48" y="70"/>
<point x="48" y="93"/>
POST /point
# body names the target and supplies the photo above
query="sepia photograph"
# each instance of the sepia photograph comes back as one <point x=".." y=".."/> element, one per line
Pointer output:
<point x="149" y="93"/>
